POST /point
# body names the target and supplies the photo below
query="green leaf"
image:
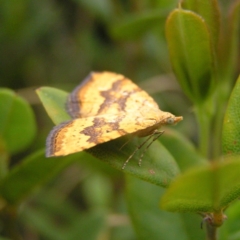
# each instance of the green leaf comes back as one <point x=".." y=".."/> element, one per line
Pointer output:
<point x="54" y="102"/>
<point x="152" y="223"/>
<point x="210" y="12"/>
<point x="181" y="149"/>
<point x="231" y="125"/>
<point x="191" y="53"/>
<point x="17" y="122"/>
<point x="30" y="173"/>
<point x="230" y="43"/>
<point x="158" y="166"/>
<point x="204" y="189"/>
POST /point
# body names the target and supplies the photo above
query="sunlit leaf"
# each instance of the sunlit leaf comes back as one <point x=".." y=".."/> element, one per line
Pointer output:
<point x="54" y="101"/>
<point x="204" y="189"/>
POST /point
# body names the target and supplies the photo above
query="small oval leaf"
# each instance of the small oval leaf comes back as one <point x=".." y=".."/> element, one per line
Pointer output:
<point x="191" y="53"/>
<point x="54" y="102"/>
<point x="17" y="122"/>
<point x="204" y="189"/>
<point x="229" y="45"/>
<point x="158" y="166"/>
<point x="209" y="10"/>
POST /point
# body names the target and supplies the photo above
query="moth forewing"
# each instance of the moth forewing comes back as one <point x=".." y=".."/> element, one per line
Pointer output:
<point x="107" y="106"/>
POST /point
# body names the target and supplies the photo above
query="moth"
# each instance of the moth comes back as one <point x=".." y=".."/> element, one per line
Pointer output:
<point x="106" y="106"/>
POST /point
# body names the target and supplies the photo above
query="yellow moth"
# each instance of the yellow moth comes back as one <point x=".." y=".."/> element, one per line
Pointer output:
<point x="106" y="106"/>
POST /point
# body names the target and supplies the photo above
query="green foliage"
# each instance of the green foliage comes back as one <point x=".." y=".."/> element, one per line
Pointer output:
<point x="80" y="197"/>
<point x="150" y="222"/>
<point x="180" y="147"/>
<point x="210" y="12"/>
<point x="55" y="101"/>
<point x="17" y="123"/>
<point x="188" y="38"/>
<point x="135" y="26"/>
<point x="231" y="126"/>
<point x="32" y="171"/>
<point x="217" y="185"/>
<point x="80" y="225"/>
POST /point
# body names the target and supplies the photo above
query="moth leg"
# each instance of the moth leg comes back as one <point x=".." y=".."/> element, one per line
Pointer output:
<point x="136" y="149"/>
<point x="155" y="135"/>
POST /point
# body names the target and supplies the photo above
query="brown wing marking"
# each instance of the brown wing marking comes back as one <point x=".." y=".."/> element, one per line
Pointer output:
<point x="83" y="133"/>
<point x="106" y="93"/>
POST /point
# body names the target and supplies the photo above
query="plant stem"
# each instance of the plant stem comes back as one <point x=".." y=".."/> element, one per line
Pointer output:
<point x="203" y="118"/>
<point x="211" y="232"/>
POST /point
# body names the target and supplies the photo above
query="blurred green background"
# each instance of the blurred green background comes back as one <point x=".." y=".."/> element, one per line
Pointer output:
<point x="57" y="43"/>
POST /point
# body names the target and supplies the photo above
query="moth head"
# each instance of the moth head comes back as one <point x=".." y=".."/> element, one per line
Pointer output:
<point x="172" y="120"/>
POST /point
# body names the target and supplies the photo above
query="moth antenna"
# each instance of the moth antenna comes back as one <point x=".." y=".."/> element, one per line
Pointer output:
<point x="130" y="138"/>
<point x="158" y="134"/>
